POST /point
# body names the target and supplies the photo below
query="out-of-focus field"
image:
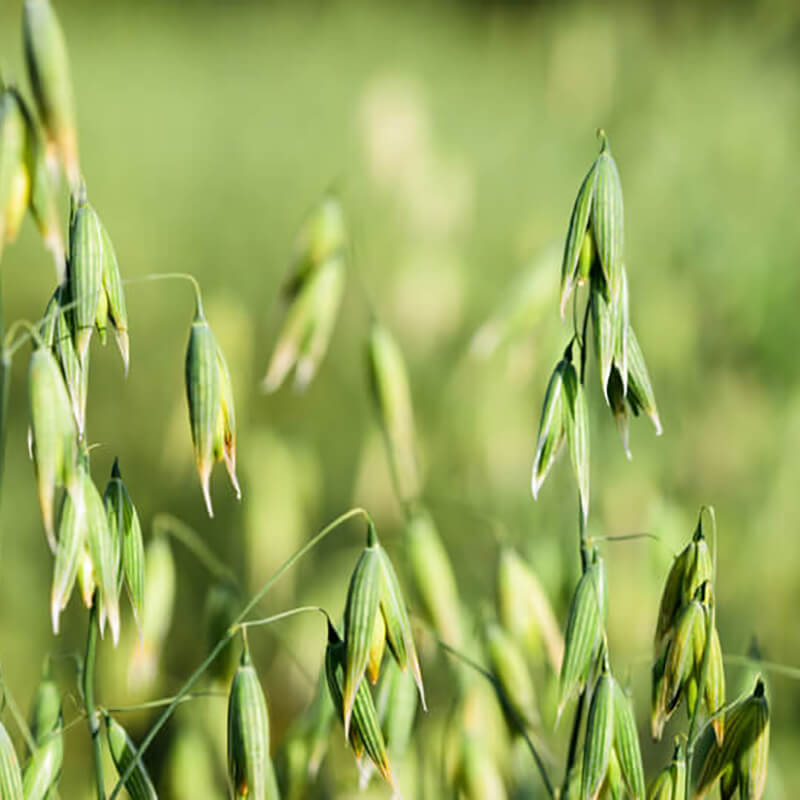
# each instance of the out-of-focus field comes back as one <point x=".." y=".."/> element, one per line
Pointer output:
<point x="457" y="137"/>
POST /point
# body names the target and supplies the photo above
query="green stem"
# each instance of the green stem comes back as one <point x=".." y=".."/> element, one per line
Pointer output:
<point x="189" y="538"/>
<point x="507" y="708"/>
<point x="172" y="276"/>
<point x="88" y="697"/>
<point x="229" y="634"/>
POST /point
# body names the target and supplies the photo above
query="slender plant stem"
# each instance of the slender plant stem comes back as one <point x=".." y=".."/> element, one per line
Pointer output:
<point x="229" y="634"/>
<point x="88" y="697"/>
<point x="251" y="623"/>
<point x="572" y="751"/>
<point x="508" y="708"/>
<point x="172" y="276"/>
<point x="189" y="538"/>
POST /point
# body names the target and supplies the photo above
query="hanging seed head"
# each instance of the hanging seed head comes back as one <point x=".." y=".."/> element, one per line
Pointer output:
<point x="43" y="769"/>
<point x="576" y="420"/>
<point x="524" y="610"/>
<point x="595" y="238"/>
<point x="670" y="783"/>
<point x="511" y="671"/>
<point x="433" y="577"/>
<point x="46" y="710"/>
<point x="249" y="766"/>
<point x="392" y="395"/>
<point x="14" y="175"/>
<point x="210" y="398"/>
<point x="626" y="744"/>
<point x="584" y="632"/>
<point x="10" y="775"/>
<point x="69" y="554"/>
<point x="741" y="759"/>
<point x="714" y="690"/>
<point x="53" y="433"/>
<point x="641" y="396"/>
<point x="599" y="736"/>
<point x="375" y="591"/>
<point x="85" y="272"/>
<point x="123" y="752"/>
<point x="48" y="70"/>
<point x="103" y="551"/>
<point x="365" y="733"/>
<point x="43" y="201"/>
<point x="112" y="297"/>
<point x="126" y="535"/>
<point x="552" y="428"/>
<point x="76" y="374"/>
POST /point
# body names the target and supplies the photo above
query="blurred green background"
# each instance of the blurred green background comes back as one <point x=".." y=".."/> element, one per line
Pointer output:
<point x="457" y="135"/>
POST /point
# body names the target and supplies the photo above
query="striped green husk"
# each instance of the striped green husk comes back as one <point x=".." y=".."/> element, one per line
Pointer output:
<point x="365" y="732"/>
<point x="552" y="430"/>
<point x="714" y="692"/>
<point x="640" y="389"/>
<point x="115" y="295"/>
<point x="43" y="201"/>
<point x="48" y="68"/>
<point x="399" y="635"/>
<point x="608" y="221"/>
<point x="433" y="577"/>
<point x="10" y="775"/>
<point x="103" y="552"/>
<point x="71" y="543"/>
<point x="584" y="628"/>
<point x="53" y="432"/>
<point x="76" y="374"/>
<point x="576" y="418"/>
<point x="204" y="398"/>
<point x="626" y="744"/>
<point x="249" y="765"/>
<point x="126" y="533"/>
<point x="578" y="224"/>
<point x="599" y="737"/>
<point x="123" y="751"/>
<point x="363" y="597"/>
<point x="43" y="770"/>
<point x="225" y="435"/>
<point x="85" y="273"/>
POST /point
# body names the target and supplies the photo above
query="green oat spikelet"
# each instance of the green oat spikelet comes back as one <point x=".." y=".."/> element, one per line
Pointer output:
<point x="597" y="215"/>
<point x="741" y="760"/>
<point x="85" y="271"/>
<point x="576" y="418"/>
<point x="626" y="744"/>
<point x="250" y="769"/>
<point x="396" y="703"/>
<point x="48" y="69"/>
<point x="46" y="707"/>
<point x="126" y="533"/>
<point x="43" y="201"/>
<point x="53" y="434"/>
<point x="584" y="632"/>
<point x="69" y="555"/>
<point x="43" y="769"/>
<point x="365" y="733"/>
<point x="599" y="736"/>
<point x="210" y="398"/>
<point x="374" y="590"/>
<point x="552" y="428"/>
<point x="123" y="751"/>
<point x="670" y="783"/>
<point x="10" y="775"/>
